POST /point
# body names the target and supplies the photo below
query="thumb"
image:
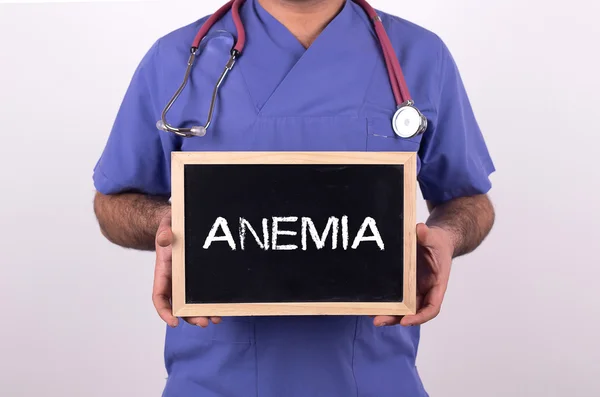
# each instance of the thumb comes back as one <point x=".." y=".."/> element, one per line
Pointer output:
<point x="423" y="234"/>
<point x="164" y="238"/>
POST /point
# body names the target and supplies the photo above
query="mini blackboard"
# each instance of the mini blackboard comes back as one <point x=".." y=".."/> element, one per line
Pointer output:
<point x="293" y="233"/>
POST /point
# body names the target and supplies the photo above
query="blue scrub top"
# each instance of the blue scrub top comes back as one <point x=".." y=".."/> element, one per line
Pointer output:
<point x="335" y="96"/>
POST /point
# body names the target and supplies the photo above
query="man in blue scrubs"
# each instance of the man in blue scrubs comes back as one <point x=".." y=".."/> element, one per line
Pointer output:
<point x="312" y="77"/>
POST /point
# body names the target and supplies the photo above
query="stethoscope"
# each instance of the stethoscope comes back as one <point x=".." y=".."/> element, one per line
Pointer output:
<point x="407" y="121"/>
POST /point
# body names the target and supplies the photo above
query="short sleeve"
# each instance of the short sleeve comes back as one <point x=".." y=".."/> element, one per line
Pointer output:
<point x="137" y="155"/>
<point x="455" y="160"/>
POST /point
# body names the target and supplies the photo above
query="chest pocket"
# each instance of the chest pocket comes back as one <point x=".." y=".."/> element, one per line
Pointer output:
<point x="382" y="138"/>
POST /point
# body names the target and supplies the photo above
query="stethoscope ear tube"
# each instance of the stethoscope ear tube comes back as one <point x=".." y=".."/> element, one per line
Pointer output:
<point x="199" y="130"/>
<point x="163" y="124"/>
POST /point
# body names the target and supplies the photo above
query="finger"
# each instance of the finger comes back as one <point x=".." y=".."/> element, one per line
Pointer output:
<point x="427" y="313"/>
<point x="197" y="321"/>
<point x="163" y="308"/>
<point x="202" y="321"/>
<point x="424" y="235"/>
<point x="164" y="237"/>
<point x="431" y="307"/>
<point x="161" y="295"/>
<point x="384" y="321"/>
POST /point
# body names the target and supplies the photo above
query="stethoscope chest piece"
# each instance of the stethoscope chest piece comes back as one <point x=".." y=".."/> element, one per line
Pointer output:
<point x="408" y="121"/>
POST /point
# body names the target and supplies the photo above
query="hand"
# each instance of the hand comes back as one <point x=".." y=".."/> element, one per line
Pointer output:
<point x="161" y="291"/>
<point x="435" y="249"/>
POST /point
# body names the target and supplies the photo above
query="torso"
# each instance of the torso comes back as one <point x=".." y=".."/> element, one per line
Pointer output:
<point x="335" y="96"/>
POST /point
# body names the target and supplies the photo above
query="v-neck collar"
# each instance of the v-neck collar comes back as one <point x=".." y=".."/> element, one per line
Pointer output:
<point x="275" y="30"/>
<point x="283" y="77"/>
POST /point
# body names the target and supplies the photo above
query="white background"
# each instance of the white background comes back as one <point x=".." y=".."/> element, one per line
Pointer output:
<point x="521" y="315"/>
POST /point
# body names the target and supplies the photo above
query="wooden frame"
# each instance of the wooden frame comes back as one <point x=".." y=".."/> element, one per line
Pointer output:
<point x="407" y="306"/>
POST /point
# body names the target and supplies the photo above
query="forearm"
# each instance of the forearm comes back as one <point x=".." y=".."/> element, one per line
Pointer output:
<point x="130" y="220"/>
<point x="467" y="219"/>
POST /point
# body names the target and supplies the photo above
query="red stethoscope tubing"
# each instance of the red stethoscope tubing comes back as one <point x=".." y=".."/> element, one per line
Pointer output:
<point x="401" y="92"/>
<point x="397" y="81"/>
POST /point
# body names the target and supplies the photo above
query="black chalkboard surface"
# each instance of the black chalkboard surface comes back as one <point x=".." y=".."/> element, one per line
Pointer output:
<point x="293" y="233"/>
